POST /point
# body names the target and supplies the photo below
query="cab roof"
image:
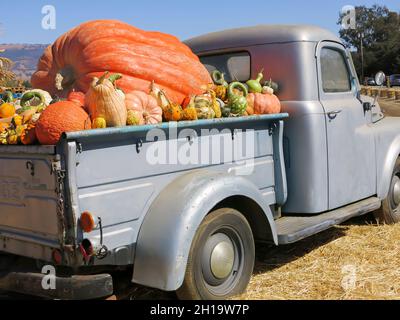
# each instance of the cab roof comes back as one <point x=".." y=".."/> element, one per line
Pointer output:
<point x="257" y="35"/>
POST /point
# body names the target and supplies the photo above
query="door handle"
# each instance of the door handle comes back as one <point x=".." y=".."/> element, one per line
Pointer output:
<point x="333" y="114"/>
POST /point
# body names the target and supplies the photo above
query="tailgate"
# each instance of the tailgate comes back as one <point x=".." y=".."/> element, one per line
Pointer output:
<point x="28" y="198"/>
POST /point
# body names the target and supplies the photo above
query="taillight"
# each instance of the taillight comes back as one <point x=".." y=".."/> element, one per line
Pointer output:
<point x="87" y="222"/>
<point x="57" y="256"/>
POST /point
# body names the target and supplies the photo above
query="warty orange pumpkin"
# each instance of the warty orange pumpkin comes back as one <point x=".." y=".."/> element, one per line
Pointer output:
<point x="92" y="48"/>
<point x="59" y="117"/>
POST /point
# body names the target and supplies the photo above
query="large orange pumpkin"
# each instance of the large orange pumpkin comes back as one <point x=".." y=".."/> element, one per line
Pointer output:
<point x="59" y="117"/>
<point x="94" y="47"/>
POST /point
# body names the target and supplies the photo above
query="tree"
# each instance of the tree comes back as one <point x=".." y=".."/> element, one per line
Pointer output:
<point x="6" y="74"/>
<point x="378" y="29"/>
<point x="27" y="84"/>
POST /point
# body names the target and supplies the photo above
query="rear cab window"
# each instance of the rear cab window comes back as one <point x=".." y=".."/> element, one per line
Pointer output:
<point x="236" y="66"/>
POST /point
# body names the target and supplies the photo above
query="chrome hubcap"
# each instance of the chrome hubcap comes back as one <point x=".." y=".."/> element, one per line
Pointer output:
<point x="222" y="259"/>
<point x="396" y="190"/>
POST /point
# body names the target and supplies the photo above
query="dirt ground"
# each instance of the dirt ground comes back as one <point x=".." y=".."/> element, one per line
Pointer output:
<point x="357" y="260"/>
<point x="390" y="107"/>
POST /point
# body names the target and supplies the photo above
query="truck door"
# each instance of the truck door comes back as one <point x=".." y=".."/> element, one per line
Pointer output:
<point x="351" y="146"/>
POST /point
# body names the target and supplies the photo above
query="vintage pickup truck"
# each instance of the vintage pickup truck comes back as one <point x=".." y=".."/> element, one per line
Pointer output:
<point x="128" y="198"/>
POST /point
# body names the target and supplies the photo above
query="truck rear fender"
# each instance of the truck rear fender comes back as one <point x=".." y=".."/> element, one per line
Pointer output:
<point x="167" y="231"/>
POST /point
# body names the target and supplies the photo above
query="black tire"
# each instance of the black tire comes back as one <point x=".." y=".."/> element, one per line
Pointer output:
<point x="217" y="229"/>
<point x="389" y="213"/>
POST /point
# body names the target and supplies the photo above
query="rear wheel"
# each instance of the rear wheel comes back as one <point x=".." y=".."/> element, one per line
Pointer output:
<point x="221" y="257"/>
<point x="390" y="211"/>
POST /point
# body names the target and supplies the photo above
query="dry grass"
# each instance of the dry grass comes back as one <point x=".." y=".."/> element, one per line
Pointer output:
<point x="358" y="260"/>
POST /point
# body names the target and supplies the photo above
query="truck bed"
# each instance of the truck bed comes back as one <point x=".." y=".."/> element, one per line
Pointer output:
<point x="108" y="174"/>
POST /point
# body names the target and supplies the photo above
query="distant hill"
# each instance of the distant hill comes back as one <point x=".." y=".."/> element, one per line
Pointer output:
<point x="25" y="57"/>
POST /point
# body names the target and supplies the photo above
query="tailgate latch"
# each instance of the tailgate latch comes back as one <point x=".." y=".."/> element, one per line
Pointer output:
<point x="30" y="166"/>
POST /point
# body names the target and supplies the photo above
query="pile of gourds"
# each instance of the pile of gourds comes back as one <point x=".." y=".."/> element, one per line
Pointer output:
<point x="18" y="117"/>
<point x="245" y="99"/>
<point x="38" y="118"/>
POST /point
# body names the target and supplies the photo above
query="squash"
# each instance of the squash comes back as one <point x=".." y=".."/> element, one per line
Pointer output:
<point x="12" y="138"/>
<point x="189" y="113"/>
<point x="254" y="85"/>
<point x="7" y="97"/>
<point x="145" y="106"/>
<point x="7" y="110"/>
<point x="28" y="136"/>
<point x="77" y="97"/>
<point x="59" y="117"/>
<point x="99" y="123"/>
<point x="27" y="115"/>
<point x="42" y="96"/>
<point x="215" y="105"/>
<point x="134" y="118"/>
<point x="4" y="127"/>
<point x="17" y="120"/>
<point x="273" y="85"/>
<point x="92" y="48"/>
<point x="103" y="101"/>
<point x="171" y="111"/>
<point x="204" y="105"/>
<point x="263" y="103"/>
<point x="220" y="85"/>
<point x="237" y="102"/>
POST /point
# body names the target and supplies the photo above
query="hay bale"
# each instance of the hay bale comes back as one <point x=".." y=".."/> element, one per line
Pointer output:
<point x="354" y="261"/>
<point x="391" y="93"/>
<point x="383" y="93"/>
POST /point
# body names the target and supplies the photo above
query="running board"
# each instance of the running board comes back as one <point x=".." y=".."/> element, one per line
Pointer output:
<point x="295" y="228"/>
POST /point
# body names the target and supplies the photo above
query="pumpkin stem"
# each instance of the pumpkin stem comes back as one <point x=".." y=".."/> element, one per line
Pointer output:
<point x="165" y="96"/>
<point x="102" y="78"/>
<point x="114" y="77"/>
<point x="65" y="78"/>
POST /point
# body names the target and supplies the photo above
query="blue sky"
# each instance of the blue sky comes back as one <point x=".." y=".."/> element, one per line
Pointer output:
<point x="21" y="20"/>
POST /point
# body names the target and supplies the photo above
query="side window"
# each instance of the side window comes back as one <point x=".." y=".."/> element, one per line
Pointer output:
<point x="235" y="66"/>
<point x="335" y="74"/>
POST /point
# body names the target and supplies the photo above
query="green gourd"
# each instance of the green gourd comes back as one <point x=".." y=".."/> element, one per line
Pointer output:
<point x="8" y="97"/>
<point x="273" y="85"/>
<point x="219" y="78"/>
<point x="237" y="103"/>
<point x="31" y="95"/>
<point x="255" y="84"/>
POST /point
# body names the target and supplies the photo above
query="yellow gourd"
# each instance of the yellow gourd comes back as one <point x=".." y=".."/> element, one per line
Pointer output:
<point x="17" y="120"/>
<point x="133" y="118"/>
<point x="7" y="110"/>
<point x="99" y="123"/>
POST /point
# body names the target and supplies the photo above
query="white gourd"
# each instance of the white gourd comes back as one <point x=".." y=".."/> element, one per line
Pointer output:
<point x="104" y="101"/>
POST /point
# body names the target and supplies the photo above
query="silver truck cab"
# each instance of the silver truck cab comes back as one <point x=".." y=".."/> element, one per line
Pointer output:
<point x="333" y="152"/>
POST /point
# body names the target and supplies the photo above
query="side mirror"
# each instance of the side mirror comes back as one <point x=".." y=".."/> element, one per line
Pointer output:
<point x="380" y="78"/>
<point x="367" y="106"/>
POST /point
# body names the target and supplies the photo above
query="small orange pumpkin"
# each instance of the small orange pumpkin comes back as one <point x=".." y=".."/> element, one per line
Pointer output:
<point x="63" y="116"/>
<point x="77" y="97"/>
<point x="263" y="103"/>
<point x="7" y="110"/>
<point x="145" y="107"/>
